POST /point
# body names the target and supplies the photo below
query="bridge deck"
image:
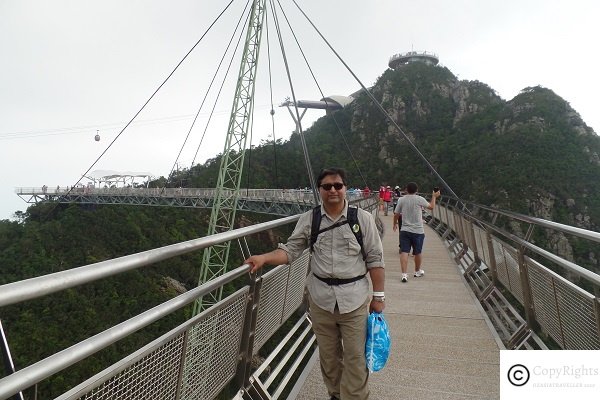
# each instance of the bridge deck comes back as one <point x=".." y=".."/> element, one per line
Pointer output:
<point x="442" y="344"/>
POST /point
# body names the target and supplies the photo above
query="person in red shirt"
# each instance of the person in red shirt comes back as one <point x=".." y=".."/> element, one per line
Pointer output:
<point x="387" y="198"/>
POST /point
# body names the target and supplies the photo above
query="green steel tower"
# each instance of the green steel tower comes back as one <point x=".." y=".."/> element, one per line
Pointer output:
<point x="215" y="258"/>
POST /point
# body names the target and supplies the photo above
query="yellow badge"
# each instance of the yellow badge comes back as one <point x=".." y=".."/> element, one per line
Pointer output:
<point x="355" y="228"/>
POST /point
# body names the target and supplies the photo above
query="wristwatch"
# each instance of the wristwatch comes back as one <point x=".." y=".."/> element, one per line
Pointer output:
<point x="379" y="298"/>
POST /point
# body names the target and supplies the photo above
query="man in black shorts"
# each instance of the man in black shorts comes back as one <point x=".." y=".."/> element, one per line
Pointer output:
<point x="412" y="233"/>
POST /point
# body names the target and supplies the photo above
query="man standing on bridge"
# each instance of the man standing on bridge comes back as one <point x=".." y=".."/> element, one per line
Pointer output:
<point x="338" y="288"/>
<point x="412" y="233"/>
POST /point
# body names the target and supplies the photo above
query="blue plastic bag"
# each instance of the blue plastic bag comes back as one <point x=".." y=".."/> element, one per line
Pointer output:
<point x="377" y="348"/>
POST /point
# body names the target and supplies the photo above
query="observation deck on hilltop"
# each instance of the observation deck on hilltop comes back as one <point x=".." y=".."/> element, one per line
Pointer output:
<point x="413" y="56"/>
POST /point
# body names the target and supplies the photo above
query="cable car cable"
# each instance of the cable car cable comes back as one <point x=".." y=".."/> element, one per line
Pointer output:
<point x="147" y="101"/>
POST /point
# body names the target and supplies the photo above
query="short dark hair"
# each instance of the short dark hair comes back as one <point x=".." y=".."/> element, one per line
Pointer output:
<point x="331" y="171"/>
<point x="412" y="188"/>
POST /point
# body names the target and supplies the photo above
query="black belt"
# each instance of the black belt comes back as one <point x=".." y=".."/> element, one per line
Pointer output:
<point x="339" y="281"/>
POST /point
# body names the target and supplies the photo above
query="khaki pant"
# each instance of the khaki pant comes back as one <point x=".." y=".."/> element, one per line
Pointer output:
<point x="341" y="339"/>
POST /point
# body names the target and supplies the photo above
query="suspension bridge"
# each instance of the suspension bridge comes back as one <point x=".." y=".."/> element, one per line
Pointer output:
<point x="485" y="290"/>
<point x="447" y="327"/>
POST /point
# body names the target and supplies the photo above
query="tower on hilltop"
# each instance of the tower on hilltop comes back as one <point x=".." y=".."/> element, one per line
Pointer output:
<point x="398" y="60"/>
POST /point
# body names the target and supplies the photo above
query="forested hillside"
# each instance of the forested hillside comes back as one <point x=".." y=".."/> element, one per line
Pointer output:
<point x="531" y="154"/>
<point x="48" y="239"/>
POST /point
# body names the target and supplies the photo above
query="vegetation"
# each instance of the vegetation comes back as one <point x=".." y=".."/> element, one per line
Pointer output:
<point x="48" y="240"/>
<point x="531" y="154"/>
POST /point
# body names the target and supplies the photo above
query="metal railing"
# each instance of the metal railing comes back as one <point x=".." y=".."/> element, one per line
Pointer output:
<point x="564" y="307"/>
<point x="201" y="356"/>
<point x="210" y="342"/>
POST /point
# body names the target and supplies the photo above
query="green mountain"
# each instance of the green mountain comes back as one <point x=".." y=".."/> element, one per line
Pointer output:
<point x="532" y="154"/>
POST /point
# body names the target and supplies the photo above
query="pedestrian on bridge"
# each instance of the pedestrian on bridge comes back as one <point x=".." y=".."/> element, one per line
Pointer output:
<point x="387" y="198"/>
<point x="412" y="234"/>
<point x="338" y="289"/>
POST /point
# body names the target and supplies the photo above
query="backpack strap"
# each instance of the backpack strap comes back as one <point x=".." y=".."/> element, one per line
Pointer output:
<point x="352" y="220"/>
<point x="355" y="227"/>
<point x="314" y="228"/>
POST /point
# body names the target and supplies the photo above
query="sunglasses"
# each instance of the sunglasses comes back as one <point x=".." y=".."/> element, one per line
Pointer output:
<point x="328" y="186"/>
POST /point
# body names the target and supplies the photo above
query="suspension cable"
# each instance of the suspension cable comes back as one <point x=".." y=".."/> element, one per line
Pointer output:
<point x="271" y="94"/>
<point x="380" y="107"/>
<point x="311" y="177"/>
<point x="323" y="95"/>
<point x="146" y="103"/>
<point x="152" y="96"/>
<point x="206" y="95"/>
<point x="212" y="112"/>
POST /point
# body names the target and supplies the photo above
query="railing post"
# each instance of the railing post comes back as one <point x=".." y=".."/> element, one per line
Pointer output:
<point x="597" y="307"/>
<point x="182" y="365"/>
<point x="526" y="289"/>
<point x="244" y="369"/>
<point x="525" y="284"/>
<point x="492" y="253"/>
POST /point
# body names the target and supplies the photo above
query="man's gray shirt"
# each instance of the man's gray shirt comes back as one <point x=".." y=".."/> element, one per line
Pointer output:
<point x="411" y="207"/>
<point x="337" y="255"/>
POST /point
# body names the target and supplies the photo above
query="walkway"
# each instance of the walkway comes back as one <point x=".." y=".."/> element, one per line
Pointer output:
<point x="442" y="347"/>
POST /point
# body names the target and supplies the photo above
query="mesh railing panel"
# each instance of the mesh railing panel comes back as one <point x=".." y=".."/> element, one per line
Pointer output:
<point x="212" y="350"/>
<point x="567" y="316"/>
<point x="468" y="231"/>
<point x="481" y="243"/>
<point x="507" y="268"/>
<point x="155" y="376"/>
<point x="441" y="214"/>
<point x="500" y="262"/>
<point x="544" y="303"/>
<point x="436" y="212"/>
<point x="577" y="316"/>
<point x="296" y="284"/>
<point x="451" y="222"/>
<point x="514" y="275"/>
<point x="153" y="372"/>
<point x="270" y="307"/>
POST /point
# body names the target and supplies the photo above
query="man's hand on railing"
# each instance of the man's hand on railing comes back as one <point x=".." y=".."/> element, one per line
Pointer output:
<point x="275" y="257"/>
<point x="256" y="262"/>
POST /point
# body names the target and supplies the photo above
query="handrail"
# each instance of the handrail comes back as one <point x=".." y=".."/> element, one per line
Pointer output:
<point x="40" y="286"/>
<point x="571" y="267"/>
<point x="579" y="232"/>
<point x="28" y="376"/>
<point x="493" y="266"/>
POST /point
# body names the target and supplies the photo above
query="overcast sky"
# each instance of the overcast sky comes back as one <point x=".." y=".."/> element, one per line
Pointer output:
<point x="70" y="68"/>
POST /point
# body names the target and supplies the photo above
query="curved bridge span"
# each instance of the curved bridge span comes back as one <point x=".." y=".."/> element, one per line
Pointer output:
<point x="280" y="202"/>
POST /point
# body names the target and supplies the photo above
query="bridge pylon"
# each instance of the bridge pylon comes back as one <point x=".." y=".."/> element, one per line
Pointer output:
<point x="222" y="218"/>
